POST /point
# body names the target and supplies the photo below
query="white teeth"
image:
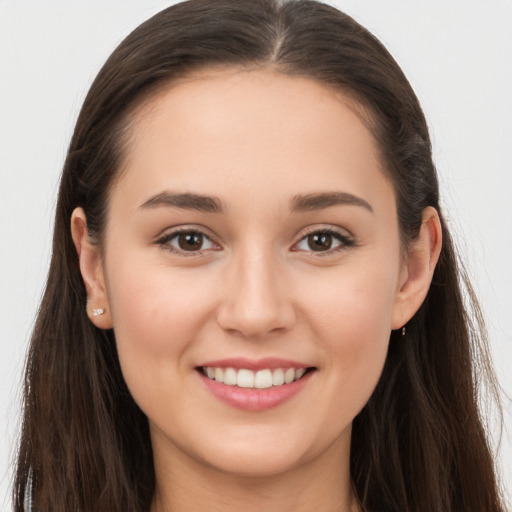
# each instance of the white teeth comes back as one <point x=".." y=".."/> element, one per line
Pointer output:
<point x="298" y="373"/>
<point x="289" y="375"/>
<point x="230" y="377"/>
<point x="245" y="379"/>
<point x="278" y="377"/>
<point x="219" y="374"/>
<point x="261" y="379"/>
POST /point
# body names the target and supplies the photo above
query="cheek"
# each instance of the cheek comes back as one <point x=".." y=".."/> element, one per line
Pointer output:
<point x="156" y="299"/>
<point x="351" y="316"/>
<point x="356" y="301"/>
<point x="157" y="312"/>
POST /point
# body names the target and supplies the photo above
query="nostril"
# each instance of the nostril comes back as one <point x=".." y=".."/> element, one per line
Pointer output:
<point x="256" y="313"/>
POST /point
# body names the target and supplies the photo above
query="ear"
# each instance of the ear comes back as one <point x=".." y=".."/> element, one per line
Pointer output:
<point x="91" y="268"/>
<point x="418" y="269"/>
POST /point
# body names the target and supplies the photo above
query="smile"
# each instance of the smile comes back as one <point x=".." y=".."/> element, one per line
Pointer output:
<point x="254" y="386"/>
<point x="261" y="379"/>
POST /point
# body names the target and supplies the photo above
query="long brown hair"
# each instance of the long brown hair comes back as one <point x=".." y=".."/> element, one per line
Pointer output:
<point x="418" y="445"/>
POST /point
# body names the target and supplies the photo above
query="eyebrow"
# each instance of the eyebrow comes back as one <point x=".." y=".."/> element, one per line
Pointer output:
<point x="209" y="204"/>
<point x="319" y="201"/>
<point x="185" y="201"/>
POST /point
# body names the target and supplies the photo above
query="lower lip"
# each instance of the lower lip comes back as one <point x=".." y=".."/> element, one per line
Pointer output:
<point x="250" y="399"/>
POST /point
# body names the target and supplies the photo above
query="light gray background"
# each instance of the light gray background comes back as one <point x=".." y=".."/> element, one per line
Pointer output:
<point x="457" y="54"/>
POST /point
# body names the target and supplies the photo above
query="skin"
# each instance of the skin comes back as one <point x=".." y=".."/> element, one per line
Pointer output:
<point x="255" y="140"/>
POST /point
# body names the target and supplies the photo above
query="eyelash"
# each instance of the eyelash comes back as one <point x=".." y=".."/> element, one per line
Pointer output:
<point x="165" y="239"/>
<point x="346" y="242"/>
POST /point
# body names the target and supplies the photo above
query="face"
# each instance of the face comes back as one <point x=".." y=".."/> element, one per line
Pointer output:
<point x="252" y="239"/>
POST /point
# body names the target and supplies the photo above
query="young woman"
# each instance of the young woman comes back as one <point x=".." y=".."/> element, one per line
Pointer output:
<point x="253" y="301"/>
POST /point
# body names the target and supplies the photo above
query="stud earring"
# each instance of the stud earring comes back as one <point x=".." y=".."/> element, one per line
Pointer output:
<point x="98" y="312"/>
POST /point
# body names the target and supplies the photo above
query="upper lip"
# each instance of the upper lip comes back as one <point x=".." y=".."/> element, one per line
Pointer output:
<point x="255" y="364"/>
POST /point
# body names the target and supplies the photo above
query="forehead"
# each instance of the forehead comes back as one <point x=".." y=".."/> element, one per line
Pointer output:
<point x="260" y="128"/>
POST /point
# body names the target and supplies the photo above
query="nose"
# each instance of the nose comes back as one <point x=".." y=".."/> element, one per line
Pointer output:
<point x="256" y="301"/>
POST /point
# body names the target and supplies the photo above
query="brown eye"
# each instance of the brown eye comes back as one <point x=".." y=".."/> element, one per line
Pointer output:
<point x="190" y="241"/>
<point x="319" y="241"/>
<point x="324" y="241"/>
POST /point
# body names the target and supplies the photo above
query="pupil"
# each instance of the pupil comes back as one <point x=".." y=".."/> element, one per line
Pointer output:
<point x="320" y="242"/>
<point x="190" y="241"/>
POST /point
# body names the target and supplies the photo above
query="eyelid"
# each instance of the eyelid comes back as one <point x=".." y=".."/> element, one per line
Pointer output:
<point x="346" y="239"/>
<point x="168" y="234"/>
<point x="184" y="228"/>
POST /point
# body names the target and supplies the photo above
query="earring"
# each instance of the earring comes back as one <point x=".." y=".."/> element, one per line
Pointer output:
<point x="403" y="330"/>
<point x="98" y="312"/>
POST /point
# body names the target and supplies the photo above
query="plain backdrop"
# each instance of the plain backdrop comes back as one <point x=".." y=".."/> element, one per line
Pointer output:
<point x="457" y="55"/>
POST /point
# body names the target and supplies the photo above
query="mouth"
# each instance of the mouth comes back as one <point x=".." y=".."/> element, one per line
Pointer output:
<point x="255" y="386"/>
<point x="249" y="379"/>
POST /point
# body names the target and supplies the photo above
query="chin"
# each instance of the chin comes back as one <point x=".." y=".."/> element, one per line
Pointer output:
<point x="269" y="454"/>
<point x="250" y="465"/>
